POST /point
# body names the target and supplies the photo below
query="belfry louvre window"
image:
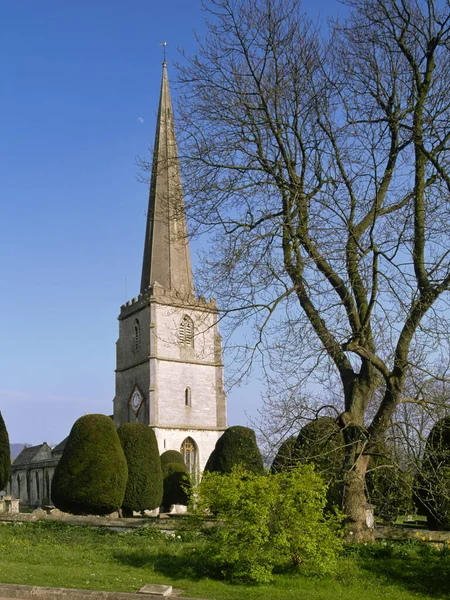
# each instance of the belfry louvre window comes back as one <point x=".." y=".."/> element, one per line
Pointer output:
<point x="137" y="336"/>
<point x="186" y="332"/>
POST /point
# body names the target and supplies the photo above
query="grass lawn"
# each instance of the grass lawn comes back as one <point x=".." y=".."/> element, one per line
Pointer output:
<point x="59" y="555"/>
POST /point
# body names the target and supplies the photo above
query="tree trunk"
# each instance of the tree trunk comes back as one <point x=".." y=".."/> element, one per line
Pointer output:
<point x="354" y="501"/>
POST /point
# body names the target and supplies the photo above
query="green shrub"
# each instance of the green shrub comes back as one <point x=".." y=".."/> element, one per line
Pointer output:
<point x="91" y="475"/>
<point x="171" y="456"/>
<point x="432" y="491"/>
<point x="176" y="480"/>
<point x="144" y="488"/>
<point x="268" y="521"/>
<point x="321" y="443"/>
<point x="286" y="457"/>
<point x="5" y="456"/>
<point x="237" y="446"/>
<point x="389" y="488"/>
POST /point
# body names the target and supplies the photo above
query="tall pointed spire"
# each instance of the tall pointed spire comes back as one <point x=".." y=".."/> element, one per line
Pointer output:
<point x="167" y="258"/>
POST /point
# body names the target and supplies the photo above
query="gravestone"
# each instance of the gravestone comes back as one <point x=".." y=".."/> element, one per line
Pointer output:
<point x="11" y="505"/>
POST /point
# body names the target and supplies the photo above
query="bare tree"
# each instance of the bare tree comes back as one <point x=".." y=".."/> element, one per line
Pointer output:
<point x="321" y="170"/>
<point x="392" y="482"/>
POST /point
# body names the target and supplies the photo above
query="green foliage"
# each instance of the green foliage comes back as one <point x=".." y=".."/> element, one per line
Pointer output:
<point x="176" y="480"/>
<point x="144" y="488"/>
<point x="389" y="488"/>
<point x="171" y="456"/>
<point x="432" y="489"/>
<point x="390" y="491"/>
<point x="265" y="521"/>
<point x="92" y="473"/>
<point x="237" y="446"/>
<point x="438" y="513"/>
<point x="99" y="559"/>
<point x="148" y="532"/>
<point x="286" y="457"/>
<point x="5" y="456"/>
<point x="390" y="549"/>
<point x="321" y="443"/>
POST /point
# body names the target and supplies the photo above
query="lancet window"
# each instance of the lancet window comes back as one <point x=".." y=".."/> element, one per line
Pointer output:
<point x="187" y="397"/>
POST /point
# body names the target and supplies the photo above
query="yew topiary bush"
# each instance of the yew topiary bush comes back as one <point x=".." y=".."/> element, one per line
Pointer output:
<point x="286" y="457"/>
<point x="144" y="488"/>
<point x="92" y="473"/>
<point x="321" y="443"/>
<point x="237" y="446"/>
<point x="5" y="455"/>
<point x="176" y="481"/>
<point x="171" y="456"/>
<point x="389" y="487"/>
<point x="433" y="482"/>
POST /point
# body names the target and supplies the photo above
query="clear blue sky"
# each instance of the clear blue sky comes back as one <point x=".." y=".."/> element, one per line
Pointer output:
<point x="79" y="88"/>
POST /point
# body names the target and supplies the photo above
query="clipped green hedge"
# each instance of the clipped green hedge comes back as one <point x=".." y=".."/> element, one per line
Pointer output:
<point x="5" y="456"/>
<point x="92" y="473"/>
<point x="171" y="456"/>
<point x="389" y="488"/>
<point x="237" y="446"/>
<point x="321" y="443"/>
<point x="176" y="479"/>
<point x="433" y="482"/>
<point x="285" y="458"/>
<point x="144" y="488"/>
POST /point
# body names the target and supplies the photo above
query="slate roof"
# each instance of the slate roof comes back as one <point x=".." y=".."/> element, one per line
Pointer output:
<point x="40" y="456"/>
<point x="31" y="454"/>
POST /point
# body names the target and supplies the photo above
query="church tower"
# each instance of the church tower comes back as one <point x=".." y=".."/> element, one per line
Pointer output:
<point x="169" y="372"/>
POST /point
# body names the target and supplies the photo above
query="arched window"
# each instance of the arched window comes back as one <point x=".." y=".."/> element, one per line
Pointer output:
<point x="187" y="397"/>
<point x="137" y="336"/>
<point x="186" y="332"/>
<point x="190" y="455"/>
<point x="18" y="486"/>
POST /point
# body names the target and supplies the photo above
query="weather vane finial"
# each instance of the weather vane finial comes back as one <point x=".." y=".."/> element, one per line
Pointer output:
<point x="164" y="44"/>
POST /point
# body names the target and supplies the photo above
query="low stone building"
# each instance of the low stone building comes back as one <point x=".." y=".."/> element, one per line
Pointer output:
<point x="32" y="473"/>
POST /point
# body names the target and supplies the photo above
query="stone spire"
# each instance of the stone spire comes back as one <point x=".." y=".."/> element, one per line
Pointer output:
<point x="167" y="258"/>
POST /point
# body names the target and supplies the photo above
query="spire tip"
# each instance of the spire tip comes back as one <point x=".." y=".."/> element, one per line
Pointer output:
<point x="164" y="44"/>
